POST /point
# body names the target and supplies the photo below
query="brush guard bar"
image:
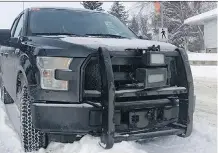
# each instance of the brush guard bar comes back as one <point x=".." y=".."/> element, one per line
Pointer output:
<point x="108" y="136"/>
<point x="108" y="97"/>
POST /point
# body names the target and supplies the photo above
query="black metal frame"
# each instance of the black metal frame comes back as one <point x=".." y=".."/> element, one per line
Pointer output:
<point x="103" y="120"/>
<point x="187" y="103"/>
<point x="108" y="97"/>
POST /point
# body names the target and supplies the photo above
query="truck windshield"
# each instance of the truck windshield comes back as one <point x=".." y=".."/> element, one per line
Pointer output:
<point x="77" y="23"/>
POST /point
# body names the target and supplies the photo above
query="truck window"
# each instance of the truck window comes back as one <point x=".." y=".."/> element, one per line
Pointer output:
<point x="19" y="27"/>
<point x="13" y="26"/>
<point x="76" y="22"/>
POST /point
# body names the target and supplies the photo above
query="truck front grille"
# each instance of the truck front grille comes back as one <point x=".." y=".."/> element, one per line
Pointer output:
<point x="124" y="71"/>
<point x="123" y="76"/>
<point x="92" y="76"/>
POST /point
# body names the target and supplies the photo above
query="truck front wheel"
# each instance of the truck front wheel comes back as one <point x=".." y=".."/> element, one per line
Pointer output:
<point x="32" y="139"/>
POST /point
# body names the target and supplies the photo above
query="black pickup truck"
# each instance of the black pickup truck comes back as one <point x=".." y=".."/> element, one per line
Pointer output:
<point x="72" y="72"/>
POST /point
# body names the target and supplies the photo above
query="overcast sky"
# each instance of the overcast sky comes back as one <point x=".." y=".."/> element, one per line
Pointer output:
<point x="9" y="10"/>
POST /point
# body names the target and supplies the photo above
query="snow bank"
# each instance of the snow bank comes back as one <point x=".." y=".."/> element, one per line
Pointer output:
<point x="203" y="56"/>
<point x="89" y="144"/>
<point x="9" y="140"/>
<point x="207" y="72"/>
<point x="203" y="59"/>
<point x="202" y="17"/>
<point x="202" y="140"/>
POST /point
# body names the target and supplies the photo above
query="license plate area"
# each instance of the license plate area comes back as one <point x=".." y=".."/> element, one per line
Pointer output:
<point x="138" y="119"/>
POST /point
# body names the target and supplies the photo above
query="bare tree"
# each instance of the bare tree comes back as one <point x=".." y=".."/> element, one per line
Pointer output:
<point x="134" y="25"/>
<point x="180" y="34"/>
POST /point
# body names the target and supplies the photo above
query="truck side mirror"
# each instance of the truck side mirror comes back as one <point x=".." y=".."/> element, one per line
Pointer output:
<point x="5" y="35"/>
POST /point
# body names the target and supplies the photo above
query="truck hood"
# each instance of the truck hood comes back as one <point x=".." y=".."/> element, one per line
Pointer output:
<point x="114" y="44"/>
<point x="83" y="46"/>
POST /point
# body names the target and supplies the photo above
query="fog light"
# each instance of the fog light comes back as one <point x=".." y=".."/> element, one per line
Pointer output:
<point x="154" y="59"/>
<point x="153" y="78"/>
<point x="157" y="59"/>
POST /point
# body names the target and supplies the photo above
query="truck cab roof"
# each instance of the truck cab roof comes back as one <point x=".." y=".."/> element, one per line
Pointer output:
<point x="67" y="8"/>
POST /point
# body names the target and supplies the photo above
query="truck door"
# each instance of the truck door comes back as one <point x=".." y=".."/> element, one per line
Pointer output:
<point x="10" y="72"/>
<point x="2" y="52"/>
<point x="4" y="58"/>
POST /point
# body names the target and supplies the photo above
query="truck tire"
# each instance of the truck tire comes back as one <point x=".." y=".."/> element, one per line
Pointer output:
<point x="5" y="97"/>
<point x="32" y="139"/>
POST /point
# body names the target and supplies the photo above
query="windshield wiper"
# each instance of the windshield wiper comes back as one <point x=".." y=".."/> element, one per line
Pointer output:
<point x="58" y="34"/>
<point x="106" y="35"/>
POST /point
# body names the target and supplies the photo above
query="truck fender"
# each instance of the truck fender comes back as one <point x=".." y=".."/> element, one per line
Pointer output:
<point x="25" y="68"/>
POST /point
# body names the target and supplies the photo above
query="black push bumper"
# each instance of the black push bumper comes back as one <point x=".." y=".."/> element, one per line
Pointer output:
<point x="85" y="119"/>
<point x="106" y="120"/>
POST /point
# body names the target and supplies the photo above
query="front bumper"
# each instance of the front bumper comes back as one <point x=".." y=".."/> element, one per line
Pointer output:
<point x="85" y="119"/>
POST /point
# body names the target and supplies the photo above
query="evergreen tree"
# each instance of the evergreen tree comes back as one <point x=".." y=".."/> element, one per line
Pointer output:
<point x="118" y="10"/>
<point x="92" y="5"/>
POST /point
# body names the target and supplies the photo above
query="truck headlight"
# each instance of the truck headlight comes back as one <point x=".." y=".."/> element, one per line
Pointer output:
<point x="47" y="66"/>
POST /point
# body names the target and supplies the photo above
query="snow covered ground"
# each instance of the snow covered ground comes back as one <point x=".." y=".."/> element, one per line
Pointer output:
<point x="202" y="140"/>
